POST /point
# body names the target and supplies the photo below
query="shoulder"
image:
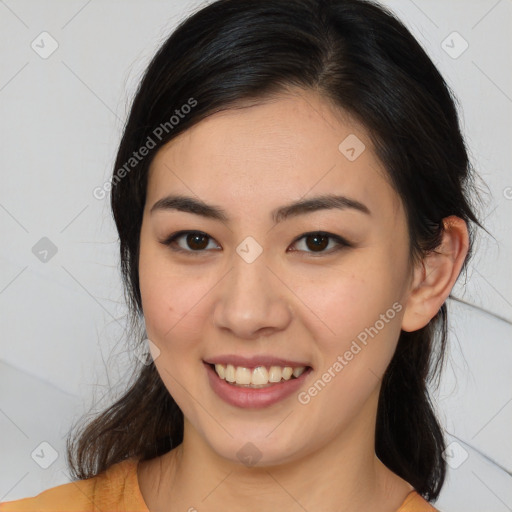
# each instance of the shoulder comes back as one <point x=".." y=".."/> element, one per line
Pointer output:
<point x="115" y="489"/>
<point x="415" y="503"/>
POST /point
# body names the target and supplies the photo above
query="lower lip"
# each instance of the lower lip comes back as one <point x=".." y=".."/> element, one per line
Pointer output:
<point x="254" y="398"/>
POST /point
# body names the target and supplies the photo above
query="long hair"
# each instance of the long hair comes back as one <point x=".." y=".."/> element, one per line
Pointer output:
<point x="361" y="58"/>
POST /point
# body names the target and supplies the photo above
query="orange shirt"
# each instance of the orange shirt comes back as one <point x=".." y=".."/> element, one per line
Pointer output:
<point x="117" y="490"/>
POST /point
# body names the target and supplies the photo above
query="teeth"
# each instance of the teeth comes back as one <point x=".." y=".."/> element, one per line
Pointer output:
<point x="275" y="373"/>
<point x="243" y="375"/>
<point x="221" y="371"/>
<point x="287" y="373"/>
<point x="230" y="373"/>
<point x="258" y="376"/>
<point x="297" y="372"/>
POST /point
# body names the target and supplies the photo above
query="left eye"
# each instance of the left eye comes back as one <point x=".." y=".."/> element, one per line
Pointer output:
<point x="319" y="241"/>
<point x="197" y="242"/>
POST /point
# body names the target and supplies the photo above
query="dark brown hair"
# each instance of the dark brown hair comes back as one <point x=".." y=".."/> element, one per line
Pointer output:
<point x="360" y="57"/>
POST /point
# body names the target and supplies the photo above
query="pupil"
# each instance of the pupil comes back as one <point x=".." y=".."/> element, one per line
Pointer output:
<point x="193" y="240"/>
<point x="321" y="242"/>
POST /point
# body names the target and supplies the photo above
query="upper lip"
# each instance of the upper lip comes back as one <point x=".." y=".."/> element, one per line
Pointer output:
<point x="254" y="361"/>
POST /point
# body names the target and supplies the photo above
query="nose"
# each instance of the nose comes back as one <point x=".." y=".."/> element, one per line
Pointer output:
<point x="252" y="301"/>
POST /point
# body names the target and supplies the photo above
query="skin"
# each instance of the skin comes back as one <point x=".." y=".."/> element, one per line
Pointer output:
<point x="291" y="302"/>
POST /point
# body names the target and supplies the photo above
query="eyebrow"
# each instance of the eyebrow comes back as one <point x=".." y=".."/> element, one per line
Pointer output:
<point x="303" y="206"/>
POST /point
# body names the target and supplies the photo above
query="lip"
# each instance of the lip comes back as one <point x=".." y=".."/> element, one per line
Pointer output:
<point x="254" y="361"/>
<point x="254" y="398"/>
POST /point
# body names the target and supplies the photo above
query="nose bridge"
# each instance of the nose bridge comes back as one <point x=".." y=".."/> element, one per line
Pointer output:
<point x="251" y="299"/>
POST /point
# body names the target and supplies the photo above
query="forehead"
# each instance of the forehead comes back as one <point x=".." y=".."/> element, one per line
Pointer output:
<point x="277" y="150"/>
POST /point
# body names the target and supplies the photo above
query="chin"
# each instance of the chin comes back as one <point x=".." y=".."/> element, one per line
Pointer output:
<point x="257" y="449"/>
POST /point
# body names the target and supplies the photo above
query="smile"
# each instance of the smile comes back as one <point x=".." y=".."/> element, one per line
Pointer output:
<point x="257" y="377"/>
<point x="255" y="387"/>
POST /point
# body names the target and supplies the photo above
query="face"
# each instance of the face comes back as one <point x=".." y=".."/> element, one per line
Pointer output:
<point x="243" y="282"/>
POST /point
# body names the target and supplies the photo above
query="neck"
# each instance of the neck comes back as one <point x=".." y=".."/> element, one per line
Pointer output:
<point x="342" y="475"/>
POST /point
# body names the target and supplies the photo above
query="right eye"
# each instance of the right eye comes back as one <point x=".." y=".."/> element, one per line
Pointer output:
<point x="196" y="241"/>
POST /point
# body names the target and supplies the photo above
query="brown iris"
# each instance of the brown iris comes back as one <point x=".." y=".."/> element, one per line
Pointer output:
<point x="197" y="241"/>
<point x="320" y="242"/>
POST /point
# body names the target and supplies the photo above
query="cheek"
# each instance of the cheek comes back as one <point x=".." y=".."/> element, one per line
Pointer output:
<point x="365" y="319"/>
<point x="170" y="300"/>
<point x="362" y="309"/>
<point x="354" y="299"/>
<point x="172" y="313"/>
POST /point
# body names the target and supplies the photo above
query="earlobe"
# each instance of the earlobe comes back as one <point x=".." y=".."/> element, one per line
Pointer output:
<point x="435" y="275"/>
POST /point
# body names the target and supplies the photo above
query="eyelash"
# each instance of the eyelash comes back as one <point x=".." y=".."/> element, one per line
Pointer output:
<point x="342" y="243"/>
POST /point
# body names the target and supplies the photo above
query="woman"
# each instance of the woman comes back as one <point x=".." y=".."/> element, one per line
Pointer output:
<point x="292" y="199"/>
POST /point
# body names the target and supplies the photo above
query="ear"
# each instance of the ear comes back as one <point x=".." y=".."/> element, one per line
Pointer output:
<point x="435" y="275"/>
